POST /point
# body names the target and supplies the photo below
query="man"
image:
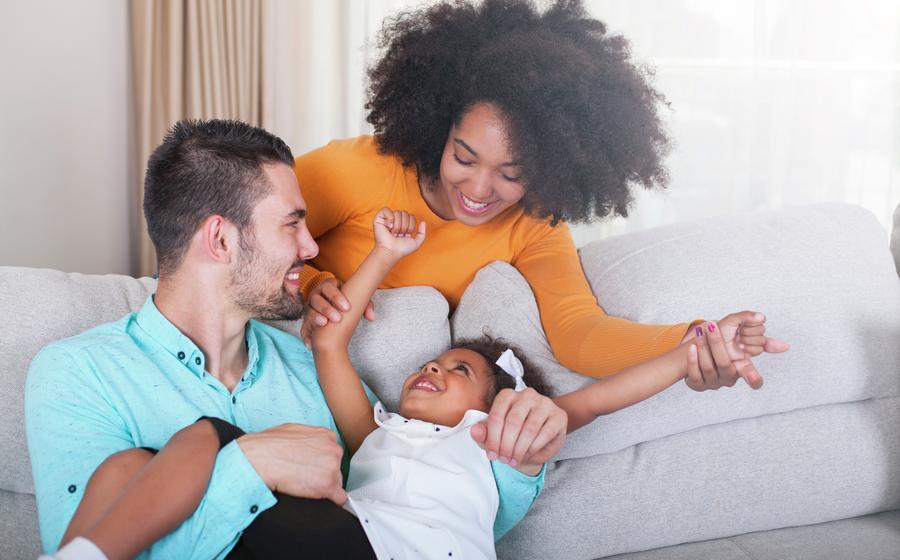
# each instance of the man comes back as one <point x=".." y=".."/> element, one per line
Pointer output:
<point x="225" y="213"/>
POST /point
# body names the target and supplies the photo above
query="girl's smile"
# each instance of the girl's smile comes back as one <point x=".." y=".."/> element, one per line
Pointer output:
<point x="446" y="387"/>
<point x="423" y="383"/>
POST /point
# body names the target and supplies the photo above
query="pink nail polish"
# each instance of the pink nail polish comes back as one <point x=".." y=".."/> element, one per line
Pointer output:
<point x="712" y="328"/>
<point x="698" y="331"/>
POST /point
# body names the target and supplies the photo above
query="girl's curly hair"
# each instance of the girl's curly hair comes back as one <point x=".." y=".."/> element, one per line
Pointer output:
<point x="580" y="114"/>
<point x="490" y="349"/>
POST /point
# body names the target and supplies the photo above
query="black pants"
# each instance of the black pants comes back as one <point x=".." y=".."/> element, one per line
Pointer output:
<point x="297" y="527"/>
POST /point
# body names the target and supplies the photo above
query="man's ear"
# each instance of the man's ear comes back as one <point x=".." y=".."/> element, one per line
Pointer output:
<point x="218" y="239"/>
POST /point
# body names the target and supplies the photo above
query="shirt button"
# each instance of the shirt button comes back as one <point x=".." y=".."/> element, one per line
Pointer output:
<point x="198" y="361"/>
<point x="181" y="355"/>
<point x="72" y="488"/>
<point x="233" y="400"/>
<point x="253" y="509"/>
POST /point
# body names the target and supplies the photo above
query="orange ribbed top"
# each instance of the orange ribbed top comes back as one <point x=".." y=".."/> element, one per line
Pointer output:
<point x="347" y="181"/>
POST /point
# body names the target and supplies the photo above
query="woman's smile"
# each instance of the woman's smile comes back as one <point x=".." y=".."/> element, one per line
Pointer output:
<point x="471" y="206"/>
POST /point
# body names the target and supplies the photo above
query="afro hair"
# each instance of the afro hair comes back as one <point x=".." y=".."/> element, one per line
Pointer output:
<point x="580" y="115"/>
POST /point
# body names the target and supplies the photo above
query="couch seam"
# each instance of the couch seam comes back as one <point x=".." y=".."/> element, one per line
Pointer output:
<point x="611" y="266"/>
<point x="742" y="548"/>
<point x="784" y="412"/>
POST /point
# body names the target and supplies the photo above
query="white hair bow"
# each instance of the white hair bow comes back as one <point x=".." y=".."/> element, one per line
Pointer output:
<point x="512" y="366"/>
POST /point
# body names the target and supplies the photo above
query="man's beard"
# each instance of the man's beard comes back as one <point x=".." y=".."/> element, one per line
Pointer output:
<point x="249" y="278"/>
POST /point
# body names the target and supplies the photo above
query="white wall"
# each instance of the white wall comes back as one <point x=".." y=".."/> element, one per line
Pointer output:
<point x="65" y="135"/>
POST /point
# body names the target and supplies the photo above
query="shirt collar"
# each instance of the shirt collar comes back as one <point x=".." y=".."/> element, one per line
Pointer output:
<point x="167" y="335"/>
<point x="419" y="428"/>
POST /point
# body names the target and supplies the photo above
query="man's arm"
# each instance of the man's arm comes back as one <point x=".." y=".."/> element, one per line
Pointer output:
<point x="525" y="430"/>
<point x="517" y="492"/>
<point x="72" y="427"/>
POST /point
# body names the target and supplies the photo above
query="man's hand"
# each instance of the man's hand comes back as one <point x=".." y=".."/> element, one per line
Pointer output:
<point x="524" y="429"/>
<point x="301" y="461"/>
<point x="326" y="303"/>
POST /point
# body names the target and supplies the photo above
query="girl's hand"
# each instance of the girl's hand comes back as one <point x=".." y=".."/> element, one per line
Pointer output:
<point x="396" y="231"/>
<point x="326" y="303"/>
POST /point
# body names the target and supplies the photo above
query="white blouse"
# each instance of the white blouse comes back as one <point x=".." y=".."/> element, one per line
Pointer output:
<point x="422" y="490"/>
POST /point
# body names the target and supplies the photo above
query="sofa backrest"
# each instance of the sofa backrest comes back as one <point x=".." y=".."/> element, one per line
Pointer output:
<point x="895" y="239"/>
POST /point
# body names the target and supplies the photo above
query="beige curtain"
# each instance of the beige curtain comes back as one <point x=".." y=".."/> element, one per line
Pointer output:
<point x="191" y="59"/>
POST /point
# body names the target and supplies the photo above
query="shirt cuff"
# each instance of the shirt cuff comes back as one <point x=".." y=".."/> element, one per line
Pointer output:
<point x="236" y="491"/>
<point x="310" y="279"/>
<point x="78" y="549"/>
<point x="517" y="480"/>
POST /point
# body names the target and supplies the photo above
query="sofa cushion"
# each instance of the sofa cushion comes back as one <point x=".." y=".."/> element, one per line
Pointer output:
<point x="822" y="274"/>
<point x="40" y="306"/>
<point x="895" y="239"/>
<point x="411" y="327"/>
<point x="802" y="467"/>
<point x="873" y="537"/>
<point x="18" y="526"/>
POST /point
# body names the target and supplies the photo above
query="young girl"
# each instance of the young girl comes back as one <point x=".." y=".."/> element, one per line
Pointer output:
<point x="419" y="484"/>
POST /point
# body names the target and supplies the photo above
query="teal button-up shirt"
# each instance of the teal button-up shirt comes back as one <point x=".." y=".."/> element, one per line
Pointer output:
<point x="137" y="381"/>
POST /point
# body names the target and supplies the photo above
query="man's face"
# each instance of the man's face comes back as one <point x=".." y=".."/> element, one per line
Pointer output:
<point x="265" y="275"/>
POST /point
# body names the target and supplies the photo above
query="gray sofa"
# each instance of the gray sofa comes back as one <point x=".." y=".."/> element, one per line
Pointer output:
<point x="807" y="467"/>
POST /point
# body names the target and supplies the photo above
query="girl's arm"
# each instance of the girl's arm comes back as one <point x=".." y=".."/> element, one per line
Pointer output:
<point x="396" y="235"/>
<point x="135" y="499"/>
<point x="631" y="385"/>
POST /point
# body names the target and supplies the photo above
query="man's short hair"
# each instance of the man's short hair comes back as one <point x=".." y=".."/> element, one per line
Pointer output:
<point x="201" y="169"/>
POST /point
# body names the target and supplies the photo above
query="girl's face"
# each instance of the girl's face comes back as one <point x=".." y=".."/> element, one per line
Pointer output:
<point x="478" y="177"/>
<point x="446" y="387"/>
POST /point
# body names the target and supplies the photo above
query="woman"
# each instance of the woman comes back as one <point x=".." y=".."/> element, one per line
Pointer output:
<point x="498" y="124"/>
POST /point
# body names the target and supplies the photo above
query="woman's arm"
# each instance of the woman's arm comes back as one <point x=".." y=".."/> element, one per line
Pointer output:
<point x="587" y="340"/>
<point x="583" y="337"/>
<point x="396" y="235"/>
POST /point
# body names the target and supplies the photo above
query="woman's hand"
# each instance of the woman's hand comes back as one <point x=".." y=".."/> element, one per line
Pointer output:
<point x="723" y="354"/>
<point x="326" y="303"/>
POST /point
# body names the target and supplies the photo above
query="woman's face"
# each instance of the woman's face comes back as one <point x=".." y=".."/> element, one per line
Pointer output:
<point x="478" y="177"/>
